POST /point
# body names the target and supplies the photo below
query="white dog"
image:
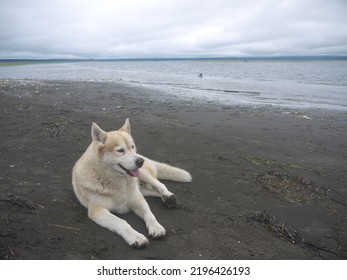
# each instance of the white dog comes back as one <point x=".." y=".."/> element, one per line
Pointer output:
<point x="111" y="177"/>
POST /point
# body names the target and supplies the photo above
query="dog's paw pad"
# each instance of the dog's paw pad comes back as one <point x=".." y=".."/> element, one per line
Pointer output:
<point x="139" y="245"/>
<point x="170" y="201"/>
<point x="157" y="232"/>
<point x="139" y="242"/>
<point x="157" y="237"/>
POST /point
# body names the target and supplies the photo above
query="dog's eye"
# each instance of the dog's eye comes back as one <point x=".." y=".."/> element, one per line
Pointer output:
<point x="120" y="151"/>
<point x="133" y="146"/>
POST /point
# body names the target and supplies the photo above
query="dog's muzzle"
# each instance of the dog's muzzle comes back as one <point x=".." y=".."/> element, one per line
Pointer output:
<point x="134" y="173"/>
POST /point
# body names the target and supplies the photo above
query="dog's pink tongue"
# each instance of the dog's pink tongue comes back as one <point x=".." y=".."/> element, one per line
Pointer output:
<point x="135" y="173"/>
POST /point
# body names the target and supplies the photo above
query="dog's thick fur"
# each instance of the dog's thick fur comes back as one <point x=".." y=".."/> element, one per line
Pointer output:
<point x="111" y="177"/>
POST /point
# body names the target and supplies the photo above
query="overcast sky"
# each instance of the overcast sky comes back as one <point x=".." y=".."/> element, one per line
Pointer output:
<point x="171" y="28"/>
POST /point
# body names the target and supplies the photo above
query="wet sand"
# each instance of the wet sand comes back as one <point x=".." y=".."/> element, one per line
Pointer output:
<point x="268" y="183"/>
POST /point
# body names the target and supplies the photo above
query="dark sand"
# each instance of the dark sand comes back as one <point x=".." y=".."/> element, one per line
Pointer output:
<point x="244" y="161"/>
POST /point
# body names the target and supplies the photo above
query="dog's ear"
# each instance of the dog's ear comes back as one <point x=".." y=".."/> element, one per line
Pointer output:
<point x="98" y="134"/>
<point x="126" y="127"/>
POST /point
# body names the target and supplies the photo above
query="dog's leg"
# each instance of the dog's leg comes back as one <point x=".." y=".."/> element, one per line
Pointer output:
<point x="166" y="196"/>
<point x="140" y="206"/>
<point x="104" y="218"/>
<point x="149" y="191"/>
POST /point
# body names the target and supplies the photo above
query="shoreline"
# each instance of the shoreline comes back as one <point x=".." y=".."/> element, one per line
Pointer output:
<point x="241" y="159"/>
<point x="157" y="95"/>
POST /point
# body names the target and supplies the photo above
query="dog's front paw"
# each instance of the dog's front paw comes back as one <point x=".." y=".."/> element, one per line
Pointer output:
<point x="138" y="242"/>
<point x="170" y="201"/>
<point x="157" y="231"/>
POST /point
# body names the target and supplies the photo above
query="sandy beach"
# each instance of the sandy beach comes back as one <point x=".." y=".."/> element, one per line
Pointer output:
<point x="268" y="182"/>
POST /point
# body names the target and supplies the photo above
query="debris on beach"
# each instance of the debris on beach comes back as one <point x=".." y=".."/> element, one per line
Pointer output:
<point x="295" y="189"/>
<point x="7" y="254"/>
<point x="303" y="116"/>
<point x="280" y="229"/>
<point x="285" y="232"/>
<point x="299" y="114"/>
<point x="23" y="202"/>
<point x="64" y="227"/>
<point x="55" y="129"/>
<point x="258" y="161"/>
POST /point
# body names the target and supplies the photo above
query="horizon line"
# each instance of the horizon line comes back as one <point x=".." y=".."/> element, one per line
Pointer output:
<point x="280" y="57"/>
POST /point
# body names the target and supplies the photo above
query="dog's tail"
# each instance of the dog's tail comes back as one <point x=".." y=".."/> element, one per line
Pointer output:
<point x="168" y="172"/>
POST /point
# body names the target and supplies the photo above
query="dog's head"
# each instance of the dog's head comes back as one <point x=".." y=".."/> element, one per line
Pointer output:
<point x="117" y="149"/>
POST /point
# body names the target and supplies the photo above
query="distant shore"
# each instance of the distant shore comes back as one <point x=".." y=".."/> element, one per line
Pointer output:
<point x="268" y="183"/>
<point x="241" y="58"/>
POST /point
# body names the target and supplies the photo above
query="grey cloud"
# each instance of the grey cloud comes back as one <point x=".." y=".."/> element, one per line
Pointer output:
<point x="112" y="29"/>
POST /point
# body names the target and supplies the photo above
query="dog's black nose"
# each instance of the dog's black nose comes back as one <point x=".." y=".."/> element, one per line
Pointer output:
<point x="139" y="162"/>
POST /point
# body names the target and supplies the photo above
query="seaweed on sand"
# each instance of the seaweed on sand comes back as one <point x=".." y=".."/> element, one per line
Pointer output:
<point x="285" y="232"/>
<point x="296" y="189"/>
<point x="280" y="229"/>
<point x="23" y="202"/>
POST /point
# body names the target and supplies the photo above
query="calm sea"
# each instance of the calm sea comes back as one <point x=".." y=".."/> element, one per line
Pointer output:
<point x="306" y="83"/>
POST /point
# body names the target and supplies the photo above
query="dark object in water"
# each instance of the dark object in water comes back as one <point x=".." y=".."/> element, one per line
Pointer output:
<point x="200" y="75"/>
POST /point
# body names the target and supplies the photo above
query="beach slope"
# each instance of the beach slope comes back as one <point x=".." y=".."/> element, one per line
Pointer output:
<point x="268" y="183"/>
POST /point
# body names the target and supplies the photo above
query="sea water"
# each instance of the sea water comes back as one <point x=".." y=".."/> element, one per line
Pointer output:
<point x="287" y="83"/>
